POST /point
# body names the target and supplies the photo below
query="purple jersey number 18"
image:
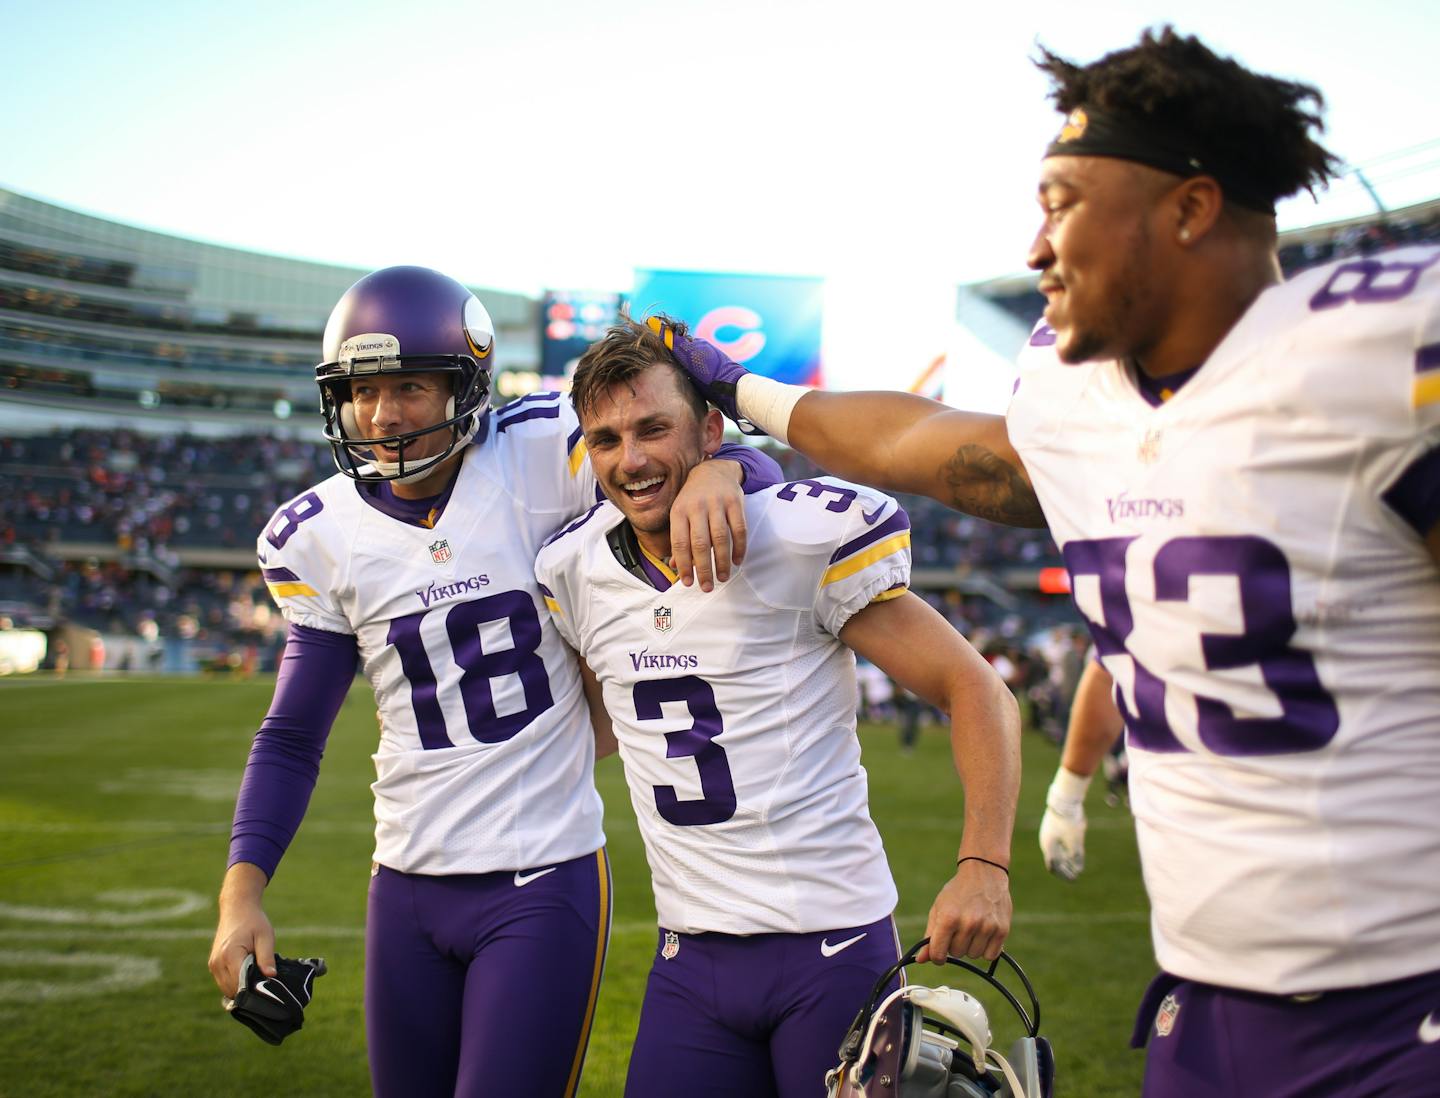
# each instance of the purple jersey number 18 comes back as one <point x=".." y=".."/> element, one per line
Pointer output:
<point x="477" y="667"/>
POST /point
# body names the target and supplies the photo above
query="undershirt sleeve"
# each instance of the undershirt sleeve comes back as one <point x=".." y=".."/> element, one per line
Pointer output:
<point x="314" y="676"/>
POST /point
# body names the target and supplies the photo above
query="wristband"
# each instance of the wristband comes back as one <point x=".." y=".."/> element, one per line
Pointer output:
<point x="768" y="403"/>
<point x="1005" y="869"/>
<point x="1068" y="787"/>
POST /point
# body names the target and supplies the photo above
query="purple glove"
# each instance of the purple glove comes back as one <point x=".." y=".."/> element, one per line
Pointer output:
<point x="714" y="375"/>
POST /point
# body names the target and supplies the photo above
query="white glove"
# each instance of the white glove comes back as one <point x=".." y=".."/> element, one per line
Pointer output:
<point x="1062" y="828"/>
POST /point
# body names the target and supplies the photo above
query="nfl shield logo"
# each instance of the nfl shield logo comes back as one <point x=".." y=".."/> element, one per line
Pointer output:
<point x="1165" y="1016"/>
<point x="440" y="551"/>
<point x="672" y="945"/>
<point x="663" y="620"/>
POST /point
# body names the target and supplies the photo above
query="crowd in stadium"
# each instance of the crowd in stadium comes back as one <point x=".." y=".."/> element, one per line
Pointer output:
<point x="138" y="500"/>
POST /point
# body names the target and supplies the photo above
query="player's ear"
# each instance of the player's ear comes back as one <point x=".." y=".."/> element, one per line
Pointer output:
<point x="1197" y="203"/>
<point x="712" y="429"/>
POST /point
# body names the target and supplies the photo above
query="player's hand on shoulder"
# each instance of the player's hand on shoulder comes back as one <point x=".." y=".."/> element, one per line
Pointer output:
<point x="1062" y="828"/>
<point x="707" y="526"/>
<point x="243" y="929"/>
<point x="971" y="915"/>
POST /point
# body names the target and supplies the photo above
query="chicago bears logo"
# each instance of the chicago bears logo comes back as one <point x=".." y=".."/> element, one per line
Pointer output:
<point x="672" y="945"/>
<point x="440" y="551"/>
<point x="663" y="619"/>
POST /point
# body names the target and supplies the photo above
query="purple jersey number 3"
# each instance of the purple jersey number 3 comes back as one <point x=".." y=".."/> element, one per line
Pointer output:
<point x="716" y="803"/>
<point x="1308" y="717"/>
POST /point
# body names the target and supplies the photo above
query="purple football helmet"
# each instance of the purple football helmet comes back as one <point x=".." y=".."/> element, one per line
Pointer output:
<point x="404" y="320"/>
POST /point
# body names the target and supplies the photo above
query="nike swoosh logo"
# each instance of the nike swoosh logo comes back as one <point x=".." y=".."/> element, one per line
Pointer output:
<point x="1430" y="1029"/>
<point x="263" y="558"/>
<point x="264" y="989"/>
<point x="522" y="879"/>
<point x="827" y="950"/>
<point x="872" y="516"/>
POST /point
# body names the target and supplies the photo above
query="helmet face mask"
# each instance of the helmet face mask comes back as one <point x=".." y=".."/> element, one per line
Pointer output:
<point x="397" y="321"/>
<point x="923" y="1042"/>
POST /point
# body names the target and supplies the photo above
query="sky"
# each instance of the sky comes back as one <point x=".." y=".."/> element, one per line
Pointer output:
<point x="889" y="147"/>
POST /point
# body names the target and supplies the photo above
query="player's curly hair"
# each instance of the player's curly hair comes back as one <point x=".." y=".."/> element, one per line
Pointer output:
<point x="1176" y="82"/>
<point x="627" y="349"/>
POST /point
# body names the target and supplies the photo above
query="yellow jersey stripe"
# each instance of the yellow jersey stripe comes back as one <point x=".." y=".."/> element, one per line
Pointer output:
<point x="577" y="457"/>
<point x="886" y="596"/>
<point x="553" y="606"/>
<point x="602" y="942"/>
<point x="289" y="590"/>
<point x="850" y="566"/>
<point x="665" y="570"/>
<point x="1427" y="389"/>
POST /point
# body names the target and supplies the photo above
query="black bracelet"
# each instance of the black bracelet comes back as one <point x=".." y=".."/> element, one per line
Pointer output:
<point x="1005" y="869"/>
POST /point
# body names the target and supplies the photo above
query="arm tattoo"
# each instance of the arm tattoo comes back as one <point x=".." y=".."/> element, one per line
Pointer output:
<point x="989" y="487"/>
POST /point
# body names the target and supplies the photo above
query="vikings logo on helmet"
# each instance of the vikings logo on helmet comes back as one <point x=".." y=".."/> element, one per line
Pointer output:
<point x="935" y="1042"/>
<point x="404" y="320"/>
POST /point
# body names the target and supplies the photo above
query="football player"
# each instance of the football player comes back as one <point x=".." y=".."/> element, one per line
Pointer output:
<point x="735" y="716"/>
<point x="1243" y="474"/>
<point x="489" y="903"/>
<point x="1094" y="729"/>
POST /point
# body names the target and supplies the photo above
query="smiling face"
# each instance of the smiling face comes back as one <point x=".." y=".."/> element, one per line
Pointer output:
<point x="1104" y="279"/>
<point x="644" y="438"/>
<point x="386" y="405"/>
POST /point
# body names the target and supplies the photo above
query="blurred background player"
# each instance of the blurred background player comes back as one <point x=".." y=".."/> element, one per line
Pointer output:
<point x="774" y="897"/>
<point x="1242" y="476"/>
<point x="489" y="903"/>
<point x="1090" y="738"/>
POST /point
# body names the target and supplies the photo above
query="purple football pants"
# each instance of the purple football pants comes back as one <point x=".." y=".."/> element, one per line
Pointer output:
<point x="758" y="1016"/>
<point x="484" y="984"/>
<point x="1381" y="1041"/>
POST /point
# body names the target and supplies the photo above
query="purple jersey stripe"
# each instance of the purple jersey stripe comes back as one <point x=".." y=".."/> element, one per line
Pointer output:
<point x="573" y="440"/>
<point x="1415" y="495"/>
<point x="1427" y="358"/>
<point x="895" y="523"/>
<point x="542" y="411"/>
<point x="549" y="594"/>
<point x="279" y="575"/>
<point x="581" y="521"/>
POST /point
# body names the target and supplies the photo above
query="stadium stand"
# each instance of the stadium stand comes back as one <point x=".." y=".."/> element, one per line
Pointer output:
<point x="157" y="405"/>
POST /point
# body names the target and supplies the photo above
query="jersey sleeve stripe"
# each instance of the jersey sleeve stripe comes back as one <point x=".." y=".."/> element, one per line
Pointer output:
<point x="1427" y="389"/>
<point x="289" y="590"/>
<point x="846" y="568"/>
<point x="898" y="521"/>
<point x="279" y="575"/>
<point x="894" y="593"/>
<point x="577" y="456"/>
<point x="553" y="606"/>
<point x="537" y="412"/>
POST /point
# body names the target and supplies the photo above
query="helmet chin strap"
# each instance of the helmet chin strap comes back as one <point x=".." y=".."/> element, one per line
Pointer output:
<point x="421" y="467"/>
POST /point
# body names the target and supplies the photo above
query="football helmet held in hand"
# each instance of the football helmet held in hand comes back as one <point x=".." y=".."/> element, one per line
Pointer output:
<point x="935" y="1042"/>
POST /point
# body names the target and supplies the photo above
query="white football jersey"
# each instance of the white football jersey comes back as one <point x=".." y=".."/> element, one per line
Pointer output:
<point x="735" y="710"/>
<point x="486" y="749"/>
<point x="1271" y="621"/>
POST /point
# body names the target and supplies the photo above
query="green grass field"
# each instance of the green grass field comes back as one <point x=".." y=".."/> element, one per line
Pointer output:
<point x="115" y="800"/>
